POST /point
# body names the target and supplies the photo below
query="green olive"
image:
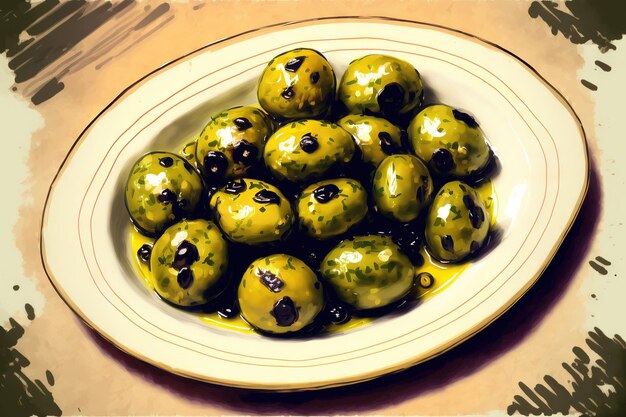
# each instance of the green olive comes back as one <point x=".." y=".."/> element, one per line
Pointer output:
<point x="232" y="142"/>
<point x="368" y="272"/>
<point x="297" y="84"/>
<point x="375" y="136"/>
<point x="450" y="140"/>
<point x="307" y="149"/>
<point x="161" y="188"/>
<point x="330" y="208"/>
<point x="280" y="294"/>
<point x="402" y="187"/>
<point x="457" y="224"/>
<point x="381" y="84"/>
<point x="252" y="211"/>
<point x="188" y="263"/>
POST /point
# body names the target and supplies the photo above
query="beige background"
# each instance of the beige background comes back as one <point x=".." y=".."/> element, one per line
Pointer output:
<point x="93" y="378"/>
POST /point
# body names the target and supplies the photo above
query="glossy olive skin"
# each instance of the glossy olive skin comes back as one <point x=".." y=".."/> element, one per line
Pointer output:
<point x="278" y="281"/>
<point x="449" y="140"/>
<point x="376" y="137"/>
<point x="307" y="149"/>
<point x="232" y="142"/>
<point x="380" y="84"/>
<point x="161" y="189"/>
<point x="402" y="187"/>
<point x="188" y="263"/>
<point x="368" y="272"/>
<point x="329" y="208"/>
<point x="247" y="216"/>
<point x="457" y="224"/>
<point x="297" y="84"/>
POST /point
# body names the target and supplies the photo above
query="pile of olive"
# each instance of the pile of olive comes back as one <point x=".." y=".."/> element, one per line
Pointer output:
<point x="316" y="203"/>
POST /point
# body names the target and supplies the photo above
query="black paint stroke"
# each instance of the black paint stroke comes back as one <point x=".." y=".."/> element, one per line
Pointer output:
<point x="599" y="268"/>
<point x="598" y="21"/>
<point x="603" y="66"/>
<point x="39" y="38"/>
<point x="589" y="85"/>
<point x="603" y="261"/>
<point x="595" y="389"/>
<point x="19" y="395"/>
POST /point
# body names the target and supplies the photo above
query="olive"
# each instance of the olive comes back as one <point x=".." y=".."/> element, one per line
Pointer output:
<point x="375" y="137"/>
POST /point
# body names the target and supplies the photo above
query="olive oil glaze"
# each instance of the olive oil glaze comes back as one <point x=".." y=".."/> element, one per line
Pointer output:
<point x="443" y="276"/>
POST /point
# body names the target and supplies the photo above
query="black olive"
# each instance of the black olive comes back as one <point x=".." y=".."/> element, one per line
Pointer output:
<point x="476" y="216"/>
<point x="386" y="143"/>
<point x="242" y="123"/>
<point x="294" y="63"/>
<point x="390" y="98"/>
<point x="166" y="161"/>
<point x="468" y="201"/>
<point x="338" y="314"/>
<point x="266" y="197"/>
<point x="245" y="153"/>
<point x="309" y="143"/>
<point x="315" y="77"/>
<point x="425" y="280"/>
<point x="186" y="254"/>
<point x="464" y="117"/>
<point x="442" y="159"/>
<point x="167" y="196"/>
<point x="271" y="281"/>
<point x="288" y="93"/>
<point x="235" y="186"/>
<point x="325" y="193"/>
<point x="447" y="243"/>
<point x="185" y="277"/>
<point x="285" y="312"/>
<point x="144" y="252"/>
<point x="215" y="163"/>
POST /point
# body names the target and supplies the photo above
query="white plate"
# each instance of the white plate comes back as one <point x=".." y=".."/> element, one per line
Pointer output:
<point x="533" y="130"/>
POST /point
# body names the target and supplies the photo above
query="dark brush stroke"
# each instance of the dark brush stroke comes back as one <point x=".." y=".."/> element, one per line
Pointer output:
<point x="603" y="66"/>
<point x="598" y="21"/>
<point x="585" y="395"/>
<point x="599" y="268"/>
<point x="155" y="14"/>
<point x="510" y="329"/>
<point x="17" y="15"/>
<point x="19" y="395"/>
<point x="589" y="85"/>
<point x="58" y="14"/>
<point x="30" y="312"/>
<point x="48" y="90"/>
<point x="603" y="261"/>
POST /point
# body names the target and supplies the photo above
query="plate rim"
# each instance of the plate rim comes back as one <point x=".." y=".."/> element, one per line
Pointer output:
<point x="340" y="19"/>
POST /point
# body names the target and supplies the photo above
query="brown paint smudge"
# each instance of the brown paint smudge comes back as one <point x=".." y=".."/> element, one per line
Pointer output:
<point x="589" y="85"/>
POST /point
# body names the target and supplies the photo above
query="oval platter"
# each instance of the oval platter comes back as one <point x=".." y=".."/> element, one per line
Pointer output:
<point x="535" y="133"/>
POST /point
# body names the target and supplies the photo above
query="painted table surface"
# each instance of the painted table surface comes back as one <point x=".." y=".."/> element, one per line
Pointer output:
<point x="568" y="324"/>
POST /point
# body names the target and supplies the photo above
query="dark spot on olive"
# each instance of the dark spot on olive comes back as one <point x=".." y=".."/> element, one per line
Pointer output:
<point x="185" y="277"/>
<point x="421" y="196"/>
<point x="167" y="196"/>
<point x="474" y="247"/>
<point x="447" y="243"/>
<point x="411" y="96"/>
<point x="317" y="285"/>
<point x="271" y="281"/>
<point x="144" y="252"/>
<point x="390" y="98"/>
<point x="315" y="77"/>
<point x="325" y="193"/>
<point x="294" y="63"/>
<point x="464" y="117"/>
<point x="186" y="254"/>
<point x="235" y="186"/>
<point x="166" y="161"/>
<point x="188" y="166"/>
<point x="215" y="163"/>
<point x="309" y="143"/>
<point x="288" y="93"/>
<point x="245" y="153"/>
<point x="468" y="201"/>
<point x="386" y="143"/>
<point x="242" y="123"/>
<point x="180" y="208"/>
<point x="476" y="216"/>
<point x="425" y="280"/>
<point x="285" y="312"/>
<point x="266" y="197"/>
<point x="442" y="159"/>
<point x="338" y="314"/>
<point x="228" y="312"/>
